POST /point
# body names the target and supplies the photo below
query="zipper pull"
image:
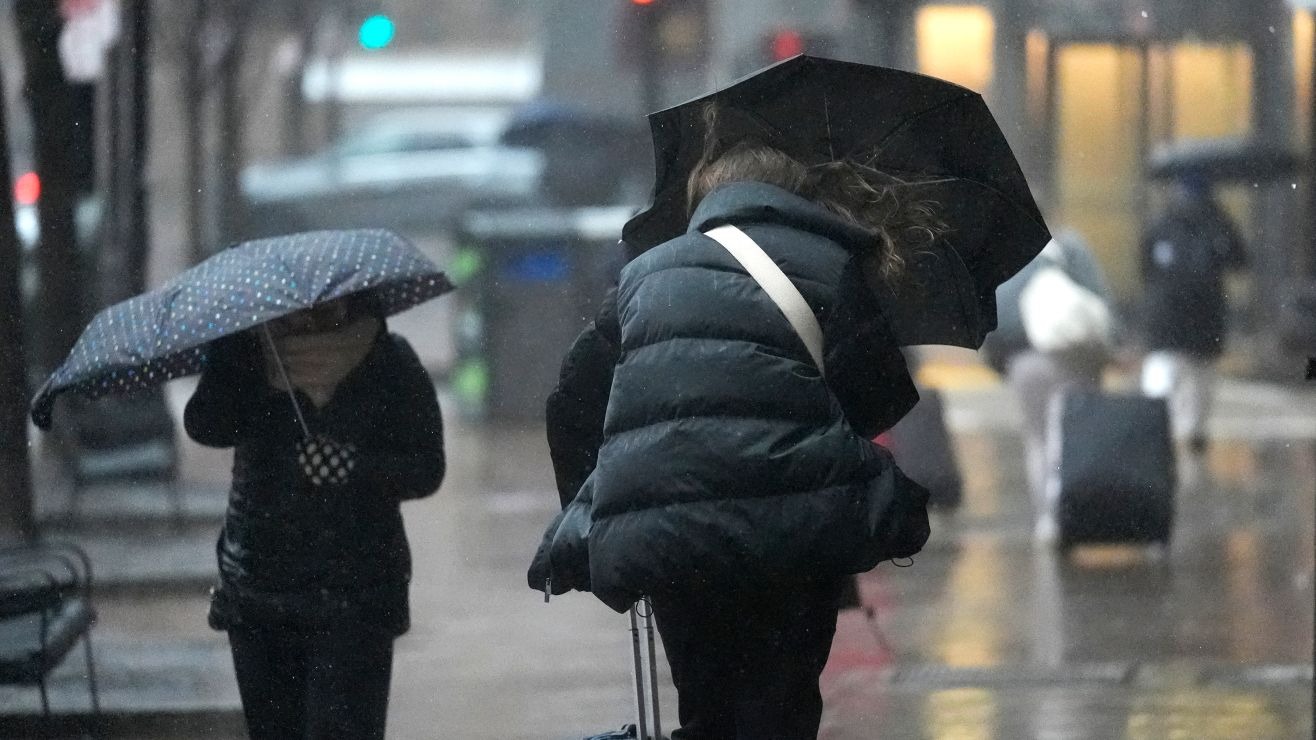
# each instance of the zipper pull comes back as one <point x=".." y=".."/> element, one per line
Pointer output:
<point x="548" y="582"/>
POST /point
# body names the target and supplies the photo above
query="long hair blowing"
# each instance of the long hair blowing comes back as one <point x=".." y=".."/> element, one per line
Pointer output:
<point x="876" y="202"/>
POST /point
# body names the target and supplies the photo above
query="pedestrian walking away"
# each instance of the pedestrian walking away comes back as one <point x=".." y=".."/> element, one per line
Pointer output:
<point x="1072" y="340"/>
<point x="727" y="398"/>
<point x="1185" y="254"/>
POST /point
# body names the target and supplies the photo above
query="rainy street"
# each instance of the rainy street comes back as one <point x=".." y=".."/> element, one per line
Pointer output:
<point x="986" y="636"/>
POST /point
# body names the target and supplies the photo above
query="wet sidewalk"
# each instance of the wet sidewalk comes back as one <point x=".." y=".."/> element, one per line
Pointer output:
<point x="987" y="636"/>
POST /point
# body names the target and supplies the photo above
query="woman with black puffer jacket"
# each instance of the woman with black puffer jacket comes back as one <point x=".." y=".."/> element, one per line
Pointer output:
<point x="724" y="474"/>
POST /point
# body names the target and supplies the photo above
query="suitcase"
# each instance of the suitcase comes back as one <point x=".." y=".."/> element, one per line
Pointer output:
<point x="921" y="445"/>
<point x="648" y="724"/>
<point x="1113" y="468"/>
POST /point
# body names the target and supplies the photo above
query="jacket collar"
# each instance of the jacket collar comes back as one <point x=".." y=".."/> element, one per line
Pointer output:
<point x="756" y="202"/>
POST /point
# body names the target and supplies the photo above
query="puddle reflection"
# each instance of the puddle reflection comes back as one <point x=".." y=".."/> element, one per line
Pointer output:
<point x="960" y="714"/>
<point x="1206" y="715"/>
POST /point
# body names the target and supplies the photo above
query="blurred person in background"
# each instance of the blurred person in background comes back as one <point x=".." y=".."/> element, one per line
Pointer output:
<point x="1037" y="374"/>
<point x="314" y="563"/>
<point x="1185" y="253"/>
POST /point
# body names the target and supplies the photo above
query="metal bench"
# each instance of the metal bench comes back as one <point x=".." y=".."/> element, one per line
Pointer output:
<point x="45" y="609"/>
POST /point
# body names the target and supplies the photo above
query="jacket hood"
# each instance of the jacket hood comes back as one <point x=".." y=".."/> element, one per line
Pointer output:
<point x="757" y="202"/>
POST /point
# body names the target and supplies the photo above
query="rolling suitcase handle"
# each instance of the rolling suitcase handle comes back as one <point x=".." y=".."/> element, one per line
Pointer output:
<point x="652" y="710"/>
<point x="644" y="710"/>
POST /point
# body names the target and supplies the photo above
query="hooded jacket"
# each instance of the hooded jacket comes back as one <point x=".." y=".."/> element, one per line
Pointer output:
<point x="726" y="457"/>
<point x="1185" y="255"/>
<point x="294" y="551"/>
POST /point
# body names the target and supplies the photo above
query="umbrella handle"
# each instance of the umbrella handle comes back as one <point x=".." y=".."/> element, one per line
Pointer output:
<point x="283" y="372"/>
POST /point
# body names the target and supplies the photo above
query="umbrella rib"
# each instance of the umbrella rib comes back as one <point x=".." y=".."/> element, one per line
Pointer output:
<point x="827" y="116"/>
<point x="906" y="123"/>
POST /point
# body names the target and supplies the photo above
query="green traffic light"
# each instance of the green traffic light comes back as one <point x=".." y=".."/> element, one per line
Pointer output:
<point x="376" y="32"/>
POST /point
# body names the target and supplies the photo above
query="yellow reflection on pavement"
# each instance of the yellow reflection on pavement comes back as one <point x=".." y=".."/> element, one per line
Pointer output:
<point x="984" y="490"/>
<point x="1249" y="633"/>
<point x="959" y="714"/>
<point x="956" y="374"/>
<point x="1203" y="715"/>
<point x="1234" y="466"/>
<point x="974" y="604"/>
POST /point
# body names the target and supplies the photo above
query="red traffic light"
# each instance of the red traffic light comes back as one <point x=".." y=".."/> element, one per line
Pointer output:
<point x="787" y="43"/>
<point x="642" y="2"/>
<point x="27" y="189"/>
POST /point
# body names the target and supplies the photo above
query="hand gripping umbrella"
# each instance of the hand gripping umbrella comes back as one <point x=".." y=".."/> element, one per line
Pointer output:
<point x="161" y="335"/>
<point x="915" y="127"/>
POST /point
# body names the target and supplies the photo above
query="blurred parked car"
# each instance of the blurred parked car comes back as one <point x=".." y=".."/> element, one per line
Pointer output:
<point x="422" y="168"/>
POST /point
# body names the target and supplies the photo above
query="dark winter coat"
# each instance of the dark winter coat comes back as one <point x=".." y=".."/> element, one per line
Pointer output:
<point x="725" y="457"/>
<point x="1185" y="254"/>
<point x="293" y="551"/>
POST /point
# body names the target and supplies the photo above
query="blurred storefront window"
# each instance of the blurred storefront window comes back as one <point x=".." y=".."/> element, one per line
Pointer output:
<point x="955" y="43"/>
<point x="1096" y="158"/>
<point x="1302" y="60"/>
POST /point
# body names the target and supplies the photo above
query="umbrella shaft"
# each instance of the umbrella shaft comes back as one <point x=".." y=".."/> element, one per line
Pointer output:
<point x="287" y="383"/>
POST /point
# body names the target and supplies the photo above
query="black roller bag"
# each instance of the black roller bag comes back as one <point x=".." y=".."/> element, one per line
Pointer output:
<point x="1116" y="468"/>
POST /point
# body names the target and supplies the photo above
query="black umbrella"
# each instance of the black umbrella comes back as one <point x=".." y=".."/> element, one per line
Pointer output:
<point x="1223" y="159"/>
<point x="912" y="126"/>
<point x="161" y="335"/>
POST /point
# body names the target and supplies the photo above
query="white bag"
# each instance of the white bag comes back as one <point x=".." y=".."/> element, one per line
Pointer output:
<point x="1059" y="315"/>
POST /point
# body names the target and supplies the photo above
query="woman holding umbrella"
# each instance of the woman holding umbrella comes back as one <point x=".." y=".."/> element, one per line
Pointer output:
<point x="313" y="560"/>
<point x="735" y="482"/>
<point x="333" y="422"/>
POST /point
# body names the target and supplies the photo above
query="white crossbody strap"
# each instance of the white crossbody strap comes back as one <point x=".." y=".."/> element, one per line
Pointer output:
<point x="775" y="283"/>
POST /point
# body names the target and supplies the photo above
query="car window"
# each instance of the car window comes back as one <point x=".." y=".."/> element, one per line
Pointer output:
<point x="393" y="142"/>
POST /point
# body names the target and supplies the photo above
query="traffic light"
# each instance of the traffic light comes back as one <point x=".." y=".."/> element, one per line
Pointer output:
<point x="787" y="43"/>
<point x="376" y="32"/>
<point x="27" y="189"/>
<point x="784" y="43"/>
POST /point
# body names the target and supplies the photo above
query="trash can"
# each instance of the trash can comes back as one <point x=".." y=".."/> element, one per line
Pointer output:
<point x="534" y="277"/>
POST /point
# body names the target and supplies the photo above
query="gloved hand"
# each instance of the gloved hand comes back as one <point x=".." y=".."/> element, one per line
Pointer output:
<point x="325" y="461"/>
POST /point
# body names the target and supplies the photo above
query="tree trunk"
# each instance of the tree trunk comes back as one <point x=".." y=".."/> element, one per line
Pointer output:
<point x="58" y="261"/>
<point x="304" y="23"/>
<point x="194" y="101"/>
<point x="124" y="252"/>
<point x="16" y="520"/>
<point x="232" y="145"/>
<point x="1311" y="158"/>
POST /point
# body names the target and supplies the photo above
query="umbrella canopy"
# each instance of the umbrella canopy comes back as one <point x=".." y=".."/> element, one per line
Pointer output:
<point x="915" y="127"/>
<point x="161" y="335"/>
<point x="1224" y="159"/>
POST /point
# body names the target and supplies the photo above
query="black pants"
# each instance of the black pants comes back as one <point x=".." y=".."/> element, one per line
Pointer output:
<point x="299" y="683"/>
<point x="747" y="666"/>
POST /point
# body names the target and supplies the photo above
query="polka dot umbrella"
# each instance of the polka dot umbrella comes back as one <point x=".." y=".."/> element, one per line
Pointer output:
<point x="161" y="335"/>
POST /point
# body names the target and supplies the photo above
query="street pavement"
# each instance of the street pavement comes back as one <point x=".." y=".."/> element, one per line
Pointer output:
<point x="986" y="636"/>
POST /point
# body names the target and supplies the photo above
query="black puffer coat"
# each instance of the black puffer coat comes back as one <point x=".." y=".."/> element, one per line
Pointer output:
<point x="1185" y="255"/>
<point x="293" y="551"/>
<point x="726" y="459"/>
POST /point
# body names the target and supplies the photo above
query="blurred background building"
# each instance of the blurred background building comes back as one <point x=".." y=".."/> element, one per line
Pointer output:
<point x="1085" y="89"/>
